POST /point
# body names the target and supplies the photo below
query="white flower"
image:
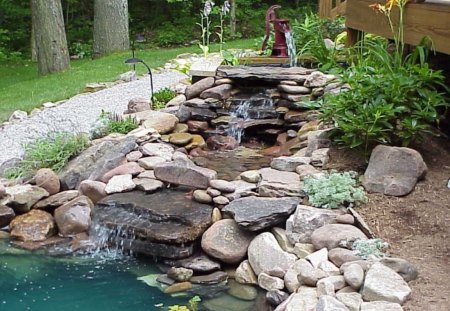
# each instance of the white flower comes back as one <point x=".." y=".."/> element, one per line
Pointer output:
<point x="208" y="8"/>
<point x="226" y="7"/>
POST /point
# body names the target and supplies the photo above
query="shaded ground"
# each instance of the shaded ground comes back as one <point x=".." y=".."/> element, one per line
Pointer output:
<point x="416" y="226"/>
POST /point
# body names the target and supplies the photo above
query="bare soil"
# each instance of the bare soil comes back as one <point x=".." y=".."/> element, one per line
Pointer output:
<point x="416" y="226"/>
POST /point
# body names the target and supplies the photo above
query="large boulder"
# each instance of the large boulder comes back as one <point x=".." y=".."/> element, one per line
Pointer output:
<point x="331" y="235"/>
<point x="289" y="163"/>
<point x="305" y="220"/>
<point x="164" y="151"/>
<point x="276" y="183"/>
<point x="94" y="190"/>
<point x="162" y="122"/>
<point x="394" y="170"/>
<point x="22" y="197"/>
<point x="225" y="241"/>
<point x="95" y="161"/>
<point x="36" y="225"/>
<point x="253" y="213"/>
<point x="164" y="224"/>
<point x="74" y="217"/>
<point x="6" y="215"/>
<point x="265" y="254"/>
<point x="383" y="283"/>
<point x="183" y="171"/>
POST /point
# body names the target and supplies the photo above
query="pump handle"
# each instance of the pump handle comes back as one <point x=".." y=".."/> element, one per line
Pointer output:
<point x="270" y="16"/>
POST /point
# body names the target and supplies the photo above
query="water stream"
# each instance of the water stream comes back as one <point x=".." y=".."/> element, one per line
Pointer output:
<point x="292" y="51"/>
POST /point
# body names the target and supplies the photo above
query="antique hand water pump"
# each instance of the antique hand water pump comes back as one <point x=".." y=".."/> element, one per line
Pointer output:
<point x="281" y="26"/>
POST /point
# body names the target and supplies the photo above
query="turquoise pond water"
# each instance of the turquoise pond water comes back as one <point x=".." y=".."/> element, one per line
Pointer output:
<point x="39" y="282"/>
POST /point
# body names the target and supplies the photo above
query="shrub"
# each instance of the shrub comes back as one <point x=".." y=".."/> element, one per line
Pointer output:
<point x="117" y="124"/>
<point x="367" y="249"/>
<point x="162" y="97"/>
<point x="334" y="190"/>
<point x="53" y="151"/>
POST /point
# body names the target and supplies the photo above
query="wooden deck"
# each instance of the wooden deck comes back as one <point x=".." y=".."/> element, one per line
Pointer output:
<point x="429" y="19"/>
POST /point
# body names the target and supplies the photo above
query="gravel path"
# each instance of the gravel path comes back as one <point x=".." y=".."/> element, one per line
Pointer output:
<point x="78" y="113"/>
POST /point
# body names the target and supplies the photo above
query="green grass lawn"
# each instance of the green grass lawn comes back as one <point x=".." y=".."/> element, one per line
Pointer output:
<point x="22" y="89"/>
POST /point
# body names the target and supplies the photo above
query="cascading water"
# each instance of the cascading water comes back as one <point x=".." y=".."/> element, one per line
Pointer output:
<point x="292" y="51"/>
<point x="244" y="111"/>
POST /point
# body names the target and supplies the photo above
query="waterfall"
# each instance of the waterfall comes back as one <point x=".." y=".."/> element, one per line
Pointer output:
<point x="247" y="110"/>
<point x="292" y="51"/>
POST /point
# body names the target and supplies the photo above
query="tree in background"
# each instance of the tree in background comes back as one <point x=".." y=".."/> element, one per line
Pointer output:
<point x="110" y="27"/>
<point x="50" y="36"/>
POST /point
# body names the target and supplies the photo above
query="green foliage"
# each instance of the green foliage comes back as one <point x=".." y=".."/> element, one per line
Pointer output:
<point x="309" y="35"/>
<point x="387" y="104"/>
<point x="334" y="190"/>
<point x="115" y="123"/>
<point x="367" y="249"/>
<point x="53" y="151"/>
<point x="80" y="50"/>
<point x="162" y="97"/>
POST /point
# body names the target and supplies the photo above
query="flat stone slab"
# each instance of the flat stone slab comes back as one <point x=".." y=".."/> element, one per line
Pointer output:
<point x="163" y="217"/>
<point x="272" y="74"/>
<point x="276" y="183"/>
<point x="206" y="66"/>
<point x="253" y="213"/>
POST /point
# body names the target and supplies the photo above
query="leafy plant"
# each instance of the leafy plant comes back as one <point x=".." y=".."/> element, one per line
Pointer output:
<point x="81" y="50"/>
<point x="53" y="151"/>
<point x="334" y="190"/>
<point x="162" y="97"/>
<point x="118" y="124"/>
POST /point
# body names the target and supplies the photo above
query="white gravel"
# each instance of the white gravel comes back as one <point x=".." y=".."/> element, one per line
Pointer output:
<point x="78" y="113"/>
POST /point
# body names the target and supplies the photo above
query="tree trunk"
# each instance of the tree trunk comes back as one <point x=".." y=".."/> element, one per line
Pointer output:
<point x="233" y="19"/>
<point x="110" y="27"/>
<point x="50" y="36"/>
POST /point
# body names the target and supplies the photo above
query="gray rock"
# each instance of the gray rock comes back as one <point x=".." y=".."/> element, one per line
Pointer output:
<point x="162" y="122"/>
<point x="306" y="219"/>
<point x="346" y="219"/>
<point x="202" y="196"/>
<point x="74" y="217"/>
<point x="264" y="254"/>
<point x="289" y="164"/>
<point x="128" y="76"/>
<point x="383" y="283"/>
<point x="197" y="88"/>
<point x="280" y="235"/>
<point x="317" y="257"/>
<point x="209" y="279"/>
<point x="394" y="170"/>
<point x="222" y="185"/>
<point x="331" y="235"/>
<point x="291" y="280"/>
<point x="306" y="297"/>
<point x="325" y="288"/>
<point x="403" y="267"/>
<point x="149" y="163"/>
<point x="380" y="306"/>
<point x="18" y="116"/>
<point x="253" y="213"/>
<point x="338" y="281"/>
<point x="252" y="176"/>
<point x="176" y="101"/>
<point x="354" y="276"/>
<point x="276" y="183"/>
<point x="352" y="301"/>
<point x="184" y="172"/>
<point x="243" y="189"/>
<point x="225" y="241"/>
<point x="320" y="157"/>
<point x="213" y="192"/>
<point x="364" y="264"/>
<point x="328" y="303"/>
<point x="221" y="200"/>
<point x="339" y="256"/>
<point x="310" y="277"/>
<point x="316" y="79"/>
<point x="306" y="170"/>
<point x="227" y="303"/>
<point x="180" y="274"/>
<point x="329" y="268"/>
<point x="245" y="274"/>
<point x="22" y="197"/>
<point x="2" y="190"/>
<point x="269" y="282"/>
<point x="6" y="215"/>
<point x="138" y="104"/>
<point x="158" y="150"/>
<point x="95" y="161"/>
<point x="301" y="250"/>
<point x="120" y="183"/>
<point x="56" y="200"/>
<point x="317" y="140"/>
<point x="198" y="262"/>
<point x="293" y="89"/>
<point x="148" y="185"/>
<point x="133" y="156"/>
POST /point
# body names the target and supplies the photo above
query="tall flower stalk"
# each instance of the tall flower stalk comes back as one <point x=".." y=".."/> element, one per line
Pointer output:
<point x="205" y="25"/>
<point x="224" y="10"/>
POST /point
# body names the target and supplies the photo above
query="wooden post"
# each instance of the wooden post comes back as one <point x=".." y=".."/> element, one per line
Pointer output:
<point x="325" y="8"/>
